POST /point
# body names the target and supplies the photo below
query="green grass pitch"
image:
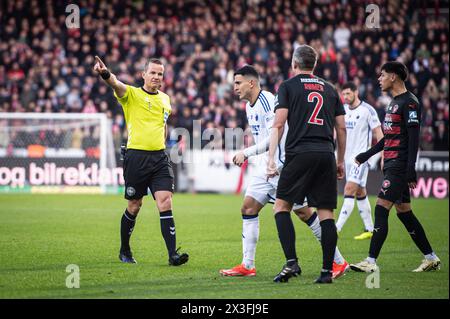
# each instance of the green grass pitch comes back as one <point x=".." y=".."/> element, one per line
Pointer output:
<point x="41" y="234"/>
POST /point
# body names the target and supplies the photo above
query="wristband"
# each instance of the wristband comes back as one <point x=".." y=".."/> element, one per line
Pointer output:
<point x="105" y="75"/>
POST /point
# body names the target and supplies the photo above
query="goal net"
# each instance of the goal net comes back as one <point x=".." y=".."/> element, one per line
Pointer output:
<point x="58" y="152"/>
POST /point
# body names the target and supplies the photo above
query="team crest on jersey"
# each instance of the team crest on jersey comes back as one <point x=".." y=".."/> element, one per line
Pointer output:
<point x="394" y="108"/>
<point x="386" y="183"/>
<point x="256" y="117"/>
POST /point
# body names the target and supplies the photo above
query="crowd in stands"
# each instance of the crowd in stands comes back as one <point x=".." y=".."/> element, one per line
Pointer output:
<point x="47" y="67"/>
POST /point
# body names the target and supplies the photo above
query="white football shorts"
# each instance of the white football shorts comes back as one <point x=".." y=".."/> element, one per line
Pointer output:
<point x="357" y="174"/>
<point x="264" y="191"/>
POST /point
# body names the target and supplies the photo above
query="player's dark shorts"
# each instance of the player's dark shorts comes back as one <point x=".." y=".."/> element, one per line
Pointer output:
<point x="312" y="176"/>
<point x="143" y="170"/>
<point x="395" y="186"/>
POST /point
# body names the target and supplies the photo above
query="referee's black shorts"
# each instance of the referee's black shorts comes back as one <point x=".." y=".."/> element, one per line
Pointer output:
<point x="143" y="170"/>
<point x="312" y="176"/>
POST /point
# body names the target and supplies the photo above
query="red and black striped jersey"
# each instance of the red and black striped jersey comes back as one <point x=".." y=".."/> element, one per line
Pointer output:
<point x="403" y="112"/>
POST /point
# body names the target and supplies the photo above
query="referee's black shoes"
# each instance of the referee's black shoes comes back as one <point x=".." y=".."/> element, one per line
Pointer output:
<point x="127" y="257"/>
<point x="178" y="259"/>
<point x="287" y="272"/>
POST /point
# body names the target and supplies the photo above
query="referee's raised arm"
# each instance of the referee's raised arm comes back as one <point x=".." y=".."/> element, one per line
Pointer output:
<point x="110" y="79"/>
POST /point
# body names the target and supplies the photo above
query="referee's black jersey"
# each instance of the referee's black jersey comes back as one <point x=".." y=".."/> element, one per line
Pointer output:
<point x="403" y="111"/>
<point x="313" y="104"/>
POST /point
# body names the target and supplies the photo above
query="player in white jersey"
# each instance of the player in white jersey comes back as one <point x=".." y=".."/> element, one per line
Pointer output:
<point x="261" y="190"/>
<point x="362" y="122"/>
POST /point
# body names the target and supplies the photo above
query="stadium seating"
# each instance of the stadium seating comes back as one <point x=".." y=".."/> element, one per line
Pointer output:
<point x="45" y="67"/>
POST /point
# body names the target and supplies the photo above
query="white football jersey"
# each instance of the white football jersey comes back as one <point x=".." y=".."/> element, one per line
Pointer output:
<point x="260" y="118"/>
<point x="359" y="123"/>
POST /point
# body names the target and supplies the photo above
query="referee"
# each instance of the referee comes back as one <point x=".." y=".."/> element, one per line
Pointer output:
<point x="146" y="165"/>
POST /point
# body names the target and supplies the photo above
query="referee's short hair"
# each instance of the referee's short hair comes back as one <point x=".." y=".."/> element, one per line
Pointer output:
<point x="397" y="68"/>
<point x="154" y="61"/>
<point x="247" y="70"/>
<point x="349" y="85"/>
<point x="305" y="57"/>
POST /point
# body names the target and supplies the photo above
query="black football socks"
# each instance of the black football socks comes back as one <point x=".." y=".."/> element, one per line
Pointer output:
<point x="328" y="242"/>
<point x="286" y="234"/>
<point x="126" y="228"/>
<point x="168" y="230"/>
<point x="380" y="231"/>
<point x="416" y="231"/>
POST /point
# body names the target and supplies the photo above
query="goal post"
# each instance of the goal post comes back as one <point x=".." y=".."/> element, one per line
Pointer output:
<point x="58" y="152"/>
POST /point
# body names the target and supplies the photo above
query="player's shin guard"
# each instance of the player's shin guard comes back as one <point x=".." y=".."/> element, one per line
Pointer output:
<point x="416" y="231"/>
<point x="126" y="228"/>
<point x="286" y="234"/>
<point x="346" y="211"/>
<point x="168" y="230"/>
<point x="329" y="241"/>
<point x="250" y="235"/>
<point x="366" y="212"/>
<point x="380" y="231"/>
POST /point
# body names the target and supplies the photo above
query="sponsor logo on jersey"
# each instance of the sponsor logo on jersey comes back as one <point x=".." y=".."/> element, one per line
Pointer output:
<point x="350" y="124"/>
<point x="311" y="80"/>
<point x="413" y="117"/>
<point x="387" y="126"/>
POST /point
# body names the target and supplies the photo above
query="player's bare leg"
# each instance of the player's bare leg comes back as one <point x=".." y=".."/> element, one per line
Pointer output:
<point x="126" y="229"/>
<point x="417" y="233"/>
<point x="250" y="235"/>
<point x="164" y="204"/>
<point x="309" y="217"/>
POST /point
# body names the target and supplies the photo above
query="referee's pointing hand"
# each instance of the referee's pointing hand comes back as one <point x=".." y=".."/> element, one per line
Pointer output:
<point x="99" y="66"/>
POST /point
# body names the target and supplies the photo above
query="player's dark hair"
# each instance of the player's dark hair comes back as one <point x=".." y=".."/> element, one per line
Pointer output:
<point x="305" y="57"/>
<point x="247" y="70"/>
<point x="349" y="85"/>
<point x="397" y="68"/>
<point x="154" y="61"/>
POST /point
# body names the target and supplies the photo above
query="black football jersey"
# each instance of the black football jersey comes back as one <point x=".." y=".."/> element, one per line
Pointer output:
<point x="313" y="104"/>
<point x="403" y="111"/>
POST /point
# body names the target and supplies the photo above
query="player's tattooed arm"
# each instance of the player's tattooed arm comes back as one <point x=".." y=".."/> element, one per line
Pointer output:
<point x="110" y="79"/>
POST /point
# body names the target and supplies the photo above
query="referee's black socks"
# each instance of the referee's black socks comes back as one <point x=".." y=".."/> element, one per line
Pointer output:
<point x="168" y="230"/>
<point x="328" y="241"/>
<point x="286" y="233"/>
<point x="126" y="228"/>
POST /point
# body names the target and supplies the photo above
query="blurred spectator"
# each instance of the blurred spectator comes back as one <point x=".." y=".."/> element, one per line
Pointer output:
<point x="45" y="67"/>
